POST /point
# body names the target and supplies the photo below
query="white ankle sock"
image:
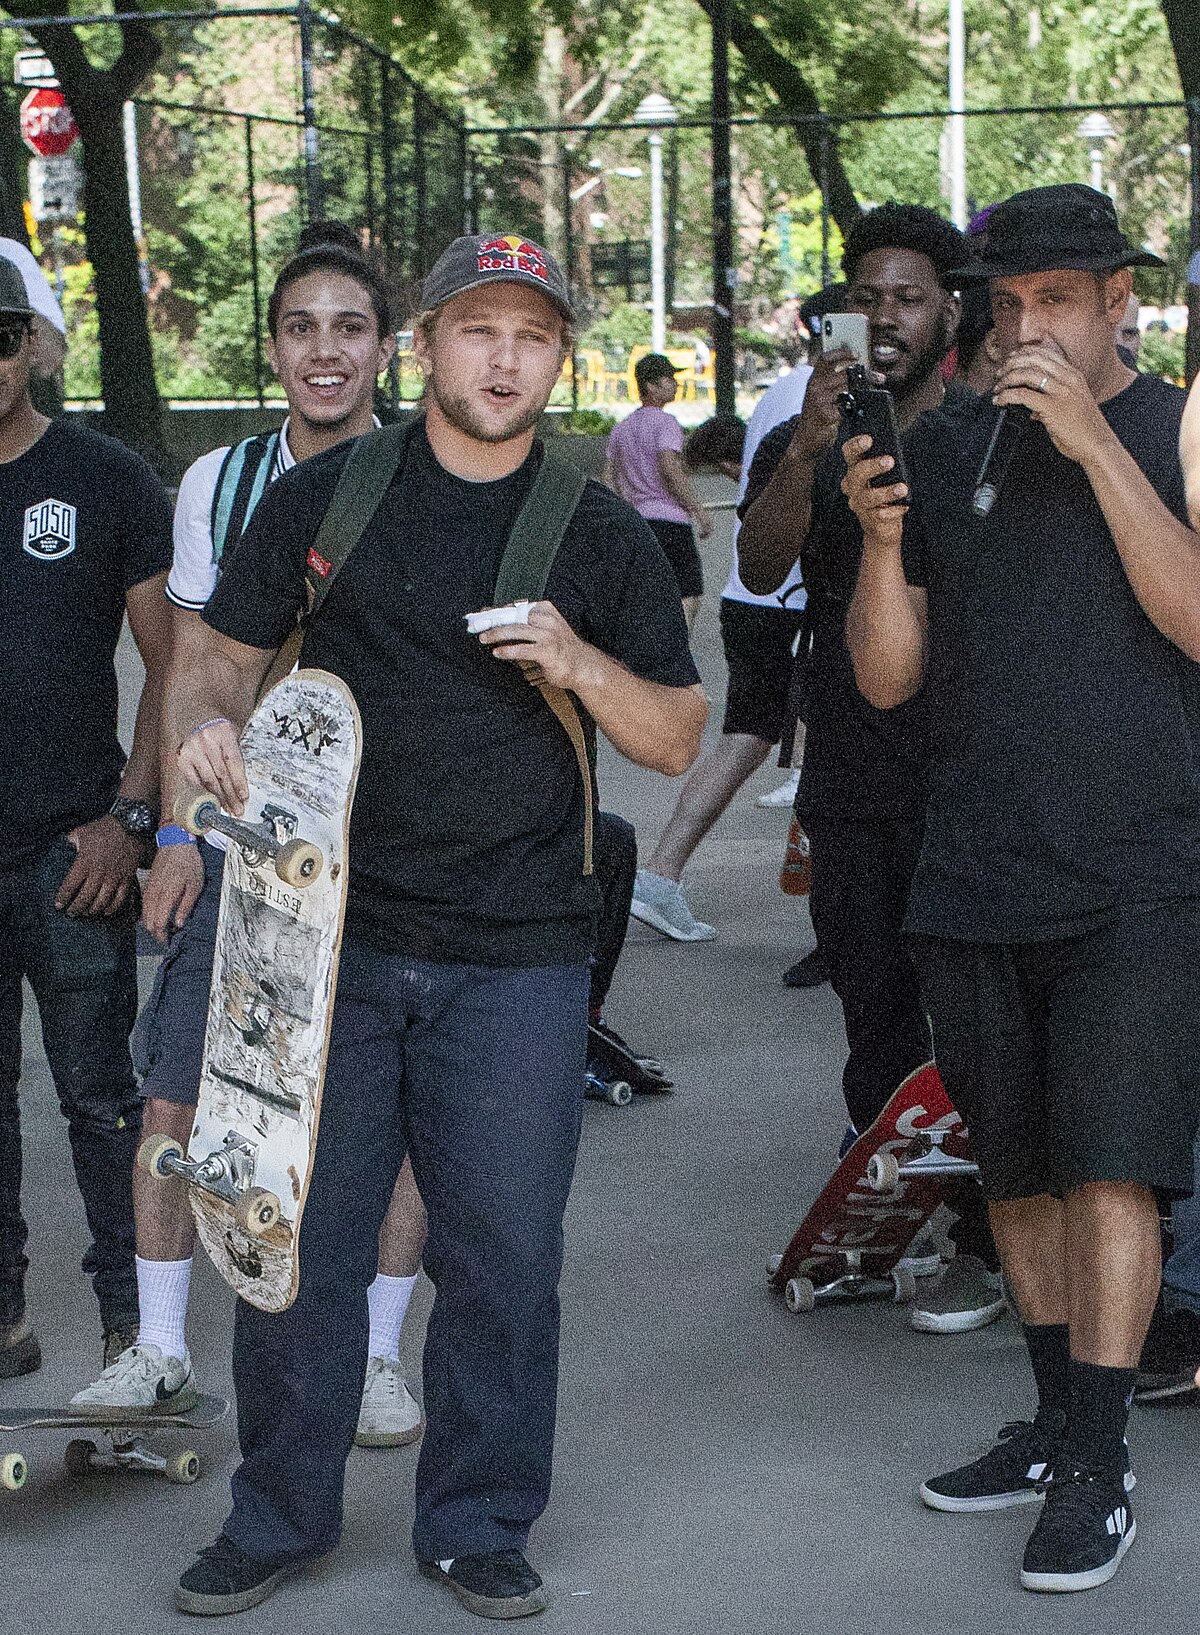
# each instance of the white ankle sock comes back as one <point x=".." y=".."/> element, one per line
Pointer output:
<point x="163" y="1300"/>
<point x="387" y="1302"/>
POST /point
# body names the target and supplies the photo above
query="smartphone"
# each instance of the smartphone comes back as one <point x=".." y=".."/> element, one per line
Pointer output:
<point x="869" y="411"/>
<point x="851" y="330"/>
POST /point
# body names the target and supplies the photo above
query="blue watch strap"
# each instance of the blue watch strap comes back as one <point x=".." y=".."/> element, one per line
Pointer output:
<point x="173" y="834"/>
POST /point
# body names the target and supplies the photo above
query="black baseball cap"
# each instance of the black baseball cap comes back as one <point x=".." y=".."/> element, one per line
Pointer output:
<point x="824" y="301"/>
<point x="1068" y="226"/>
<point x="654" y="366"/>
<point x="495" y="258"/>
<point x="14" y="297"/>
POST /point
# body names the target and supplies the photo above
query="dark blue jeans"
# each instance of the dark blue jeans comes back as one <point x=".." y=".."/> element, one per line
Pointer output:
<point x="475" y="1071"/>
<point x="84" y="977"/>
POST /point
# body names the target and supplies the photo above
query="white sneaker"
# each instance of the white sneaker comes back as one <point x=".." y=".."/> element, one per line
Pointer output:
<point x="966" y="1296"/>
<point x="660" y="903"/>
<point x="785" y="795"/>
<point x="389" y="1417"/>
<point x="142" y="1377"/>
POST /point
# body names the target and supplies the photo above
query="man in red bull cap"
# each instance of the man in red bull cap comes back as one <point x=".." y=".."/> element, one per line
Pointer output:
<point x="460" y="1025"/>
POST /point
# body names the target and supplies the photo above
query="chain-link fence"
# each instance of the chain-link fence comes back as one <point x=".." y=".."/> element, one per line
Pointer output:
<point x="586" y="191"/>
<point x="250" y="126"/>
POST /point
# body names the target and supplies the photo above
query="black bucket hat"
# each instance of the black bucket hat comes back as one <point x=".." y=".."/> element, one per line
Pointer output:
<point x="1045" y="229"/>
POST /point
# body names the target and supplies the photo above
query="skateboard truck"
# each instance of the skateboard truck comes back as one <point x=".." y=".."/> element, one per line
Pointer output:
<point x="227" y="1174"/>
<point x="298" y="863"/>
<point x="825" y="1280"/>
<point x="923" y="1156"/>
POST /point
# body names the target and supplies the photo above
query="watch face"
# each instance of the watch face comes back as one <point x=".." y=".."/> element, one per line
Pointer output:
<point x="134" y="816"/>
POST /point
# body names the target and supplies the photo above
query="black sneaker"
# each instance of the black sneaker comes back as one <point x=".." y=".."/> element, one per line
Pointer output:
<point x="809" y="972"/>
<point x="118" y="1340"/>
<point x="1082" y="1534"/>
<point x="226" y="1579"/>
<point x="1170" y="1356"/>
<point x="499" y="1585"/>
<point x="1013" y="1472"/>
<point x="20" y="1352"/>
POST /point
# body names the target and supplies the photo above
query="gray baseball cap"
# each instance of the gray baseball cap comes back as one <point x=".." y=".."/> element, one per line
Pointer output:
<point x="491" y="258"/>
<point x="14" y="298"/>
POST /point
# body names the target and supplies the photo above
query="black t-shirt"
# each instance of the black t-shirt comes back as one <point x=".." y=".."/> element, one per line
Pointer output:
<point x="1065" y="777"/>
<point x="861" y="764"/>
<point x="467" y="833"/>
<point x="85" y="521"/>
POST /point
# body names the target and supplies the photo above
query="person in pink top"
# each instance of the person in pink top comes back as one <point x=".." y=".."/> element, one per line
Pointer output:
<point x="644" y="465"/>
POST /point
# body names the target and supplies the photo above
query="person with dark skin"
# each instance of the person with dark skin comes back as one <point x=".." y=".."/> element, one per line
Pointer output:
<point x="862" y="787"/>
<point x="90" y="543"/>
<point x="1054" y="913"/>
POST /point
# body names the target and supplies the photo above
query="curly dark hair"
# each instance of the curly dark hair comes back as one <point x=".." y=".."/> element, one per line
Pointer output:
<point x="721" y="438"/>
<point x="894" y="226"/>
<point x="332" y="246"/>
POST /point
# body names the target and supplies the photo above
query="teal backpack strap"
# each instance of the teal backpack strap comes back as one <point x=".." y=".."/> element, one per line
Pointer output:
<point x="245" y="473"/>
<point x="524" y="570"/>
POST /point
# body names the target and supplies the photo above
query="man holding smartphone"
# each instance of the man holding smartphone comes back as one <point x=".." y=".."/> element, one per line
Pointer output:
<point x="862" y="789"/>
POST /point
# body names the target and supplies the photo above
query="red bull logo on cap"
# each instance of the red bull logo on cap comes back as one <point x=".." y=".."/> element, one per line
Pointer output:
<point x="512" y="254"/>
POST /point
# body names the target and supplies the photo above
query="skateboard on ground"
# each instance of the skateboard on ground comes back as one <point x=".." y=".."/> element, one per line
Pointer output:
<point x="615" y="1072"/>
<point x="279" y="932"/>
<point x="888" y="1186"/>
<point x="127" y="1449"/>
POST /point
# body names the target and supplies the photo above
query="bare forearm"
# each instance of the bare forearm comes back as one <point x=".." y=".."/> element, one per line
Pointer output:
<point x="886" y="630"/>
<point x="653" y="725"/>
<point x="681" y="491"/>
<point x="775" y="527"/>
<point x="140" y="780"/>
<point x="1160" y="554"/>
<point x="1189" y="454"/>
<point x="210" y="685"/>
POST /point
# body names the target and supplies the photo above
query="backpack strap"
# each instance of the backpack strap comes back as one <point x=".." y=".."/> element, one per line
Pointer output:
<point x="522" y="576"/>
<point x="244" y="475"/>
<point x="364" y="480"/>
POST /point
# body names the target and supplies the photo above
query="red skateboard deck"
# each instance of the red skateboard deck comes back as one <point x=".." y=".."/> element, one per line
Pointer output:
<point x="854" y="1235"/>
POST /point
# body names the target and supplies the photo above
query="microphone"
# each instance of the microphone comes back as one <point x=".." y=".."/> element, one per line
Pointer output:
<point x="1006" y="434"/>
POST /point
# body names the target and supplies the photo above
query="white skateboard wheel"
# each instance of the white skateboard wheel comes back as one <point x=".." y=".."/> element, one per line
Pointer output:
<point x="799" y="1295"/>
<point x="14" y="1468"/>
<point x="883" y="1172"/>
<point x="488" y="618"/>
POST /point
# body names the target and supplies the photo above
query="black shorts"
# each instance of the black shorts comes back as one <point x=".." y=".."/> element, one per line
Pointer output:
<point x="1075" y="1060"/>
<point x="758" y="644"/>
<point x="679" y="546"/>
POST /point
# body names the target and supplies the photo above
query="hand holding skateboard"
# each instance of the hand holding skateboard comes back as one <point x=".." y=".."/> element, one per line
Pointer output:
<point x="210" y="758"/>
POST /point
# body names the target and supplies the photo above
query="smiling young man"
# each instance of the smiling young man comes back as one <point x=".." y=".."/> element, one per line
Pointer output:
<point x="88" y="528"/>
<point x="329" y="337"/>
<point x="459" y="1031"/>
<point x="1056" y="905"/>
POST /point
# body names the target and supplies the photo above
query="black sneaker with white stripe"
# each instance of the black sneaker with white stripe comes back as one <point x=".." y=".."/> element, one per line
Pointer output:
<point x="1082" y="1534"/>
<point x="1010" y="1473"/>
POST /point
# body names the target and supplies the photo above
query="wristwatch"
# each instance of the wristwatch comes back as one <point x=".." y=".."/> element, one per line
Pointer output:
<point x="136" y="817"/>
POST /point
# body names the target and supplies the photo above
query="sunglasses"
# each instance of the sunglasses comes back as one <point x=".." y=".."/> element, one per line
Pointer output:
<point x="12" y="338"/>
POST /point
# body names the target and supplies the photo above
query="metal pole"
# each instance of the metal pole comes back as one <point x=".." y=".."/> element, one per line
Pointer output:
<point x="957" y="124"/>
<point x="724" y="270"/>
<point x="313" y="200"/>
<point x="465" y="189"/>
<point x="823" y="184"/>
<point x="658" y="282"/>
<point x="133" y="178"/>
<point x="387" y="140"/>
<point x="568" y="208"/>
<point x="421" y="200"/>
<point x="672" y="217"/>
<point x="255" y="280"/>
<point x="1192" y="365"/>
<point x="1096" y="159"/>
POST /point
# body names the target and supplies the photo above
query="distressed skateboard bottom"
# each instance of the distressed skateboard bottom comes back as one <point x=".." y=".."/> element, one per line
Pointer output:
<point x="262" y="1269"/>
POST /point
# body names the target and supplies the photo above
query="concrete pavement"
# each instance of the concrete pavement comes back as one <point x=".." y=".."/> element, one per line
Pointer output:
<point x="722" y="1465"/>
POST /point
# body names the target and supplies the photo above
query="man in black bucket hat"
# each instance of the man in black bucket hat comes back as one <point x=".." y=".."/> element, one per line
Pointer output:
<point x="1055" y="915"/>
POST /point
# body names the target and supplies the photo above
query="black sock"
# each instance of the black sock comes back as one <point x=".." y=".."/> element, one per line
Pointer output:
<point x="1049" y="1346"/>
<point x="1100" y="1399"/>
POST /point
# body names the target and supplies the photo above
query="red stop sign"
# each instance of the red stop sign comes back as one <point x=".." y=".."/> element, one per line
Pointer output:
<point x="47" y="124"/>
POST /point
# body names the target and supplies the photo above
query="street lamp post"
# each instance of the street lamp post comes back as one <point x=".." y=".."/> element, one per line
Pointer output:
<point x="1095" y="130"/>
<point x="656" y="111"/>
<point x="957" y="125"/>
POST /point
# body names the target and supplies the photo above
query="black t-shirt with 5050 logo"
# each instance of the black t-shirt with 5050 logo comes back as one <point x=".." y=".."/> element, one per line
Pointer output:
<point x="82" y="521"/>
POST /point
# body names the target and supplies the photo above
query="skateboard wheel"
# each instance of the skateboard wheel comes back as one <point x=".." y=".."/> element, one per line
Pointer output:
<point x="905" y="1284"/>
<point x="620" y="1093"/>
<point x="78" y="1457"/>
<point x="883" y="1172"/>
<point x="183" y="1468"/>
<point x="256" y="1211"/>
<point x="774" y="1262"/>
<point x="298" y="864"/>
<point x="14" y="1469"/>
<point x="799" y="1294"/>
<point x="153" y="1150"/>
<point x="188" y="808"/>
